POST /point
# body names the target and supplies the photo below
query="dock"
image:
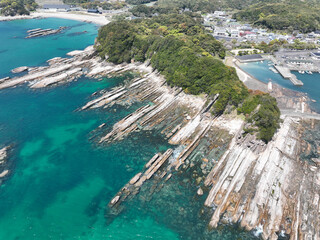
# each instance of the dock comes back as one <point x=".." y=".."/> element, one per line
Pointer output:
<point x="285" y="73"/>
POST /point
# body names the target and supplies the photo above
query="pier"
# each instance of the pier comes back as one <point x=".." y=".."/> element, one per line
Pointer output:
<point x="285" y="73"/>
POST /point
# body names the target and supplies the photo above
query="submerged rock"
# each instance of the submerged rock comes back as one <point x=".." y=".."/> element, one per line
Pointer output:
<point x="3" y="155"/>
<point x="4" y="171"/>
<point x="19" y="69"/>
<point x="200" y="191"/>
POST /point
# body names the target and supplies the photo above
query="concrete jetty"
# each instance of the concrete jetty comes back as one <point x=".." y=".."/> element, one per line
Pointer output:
<point x="285" y="72"/>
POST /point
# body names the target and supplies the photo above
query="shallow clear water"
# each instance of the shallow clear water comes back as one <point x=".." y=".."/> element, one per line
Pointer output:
<point x="61" y="180"/>
<point x="16" y="51"/>
<point x="261" y="71"/>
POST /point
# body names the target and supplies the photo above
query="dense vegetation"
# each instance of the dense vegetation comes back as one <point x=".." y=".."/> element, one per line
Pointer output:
<point x="206" y="5"/>
<point x="103" y="5"/>
<point x="17" y="7"/>
<point x="188" y="57"/>
<point x="138" y="2"/>
<point x="171" y="6"/>
<point x="287" y="15"/>
<point x="262" y="113"/>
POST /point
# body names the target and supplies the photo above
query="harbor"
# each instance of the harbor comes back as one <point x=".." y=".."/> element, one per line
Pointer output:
<point x="285" y="73"/>
<point x="302" y="61"/>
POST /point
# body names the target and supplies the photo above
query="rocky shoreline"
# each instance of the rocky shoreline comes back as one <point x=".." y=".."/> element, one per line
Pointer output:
<point x="260" y="185"/>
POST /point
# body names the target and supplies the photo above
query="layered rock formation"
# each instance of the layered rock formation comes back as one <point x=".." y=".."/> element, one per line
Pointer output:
<point x="268" y="187"/>
<point x="260" y="186"/>
<point x="3" y="163"/>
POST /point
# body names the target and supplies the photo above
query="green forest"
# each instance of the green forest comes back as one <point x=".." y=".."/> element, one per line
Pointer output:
<point x="17" y="7"/>
<point x="137" y="2"/>
<point x="288" y="15"/>
<point x="189" y="58"/>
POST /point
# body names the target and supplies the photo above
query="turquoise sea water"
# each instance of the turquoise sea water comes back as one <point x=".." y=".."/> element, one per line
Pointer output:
<point x="261" y="71"/>
<point x="61" y="180"/>
<point x="16" y="51"/>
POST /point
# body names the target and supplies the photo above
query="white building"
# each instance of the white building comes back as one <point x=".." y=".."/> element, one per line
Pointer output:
<point x="220" y="32"/>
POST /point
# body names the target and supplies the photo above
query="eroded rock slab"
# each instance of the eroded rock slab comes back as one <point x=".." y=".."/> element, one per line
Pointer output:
<point x="269" y="187"/>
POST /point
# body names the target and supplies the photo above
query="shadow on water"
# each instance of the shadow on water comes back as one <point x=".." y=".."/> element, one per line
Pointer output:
<point x="76" y="34"/>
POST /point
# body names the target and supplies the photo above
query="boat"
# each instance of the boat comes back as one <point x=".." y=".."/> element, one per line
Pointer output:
<point x="273" y="70"/>
<point x="302" y="72"/>
<point x="309" y="72"/>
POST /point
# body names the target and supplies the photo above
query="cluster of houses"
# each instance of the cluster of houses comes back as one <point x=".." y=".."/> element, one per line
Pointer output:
<point x="224" y="27"/>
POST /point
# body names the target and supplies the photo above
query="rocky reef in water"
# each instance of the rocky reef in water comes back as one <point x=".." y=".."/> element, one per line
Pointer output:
<point x="273" y="187"/>
<point x="4" y="164"/>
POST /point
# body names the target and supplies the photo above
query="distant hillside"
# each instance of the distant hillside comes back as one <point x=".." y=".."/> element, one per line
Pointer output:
<point x="286" y="15"/>
<point x="42" y="2"/>
<point x="17" y="7"/>
<point x="274" y="14"/>
<point x="212" y="5"/>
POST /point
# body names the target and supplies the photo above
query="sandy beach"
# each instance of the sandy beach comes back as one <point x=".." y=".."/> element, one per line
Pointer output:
<point x="247" y="79"/>
<point x="79" y="16"/>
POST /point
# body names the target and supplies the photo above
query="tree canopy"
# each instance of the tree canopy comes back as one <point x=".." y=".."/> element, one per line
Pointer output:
<point x="17" y="7"/>
<point x="286" y="15"/>
<point x="185" y="54"/>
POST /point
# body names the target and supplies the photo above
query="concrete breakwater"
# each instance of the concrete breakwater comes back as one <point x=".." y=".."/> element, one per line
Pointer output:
<point x="285" y="72"/>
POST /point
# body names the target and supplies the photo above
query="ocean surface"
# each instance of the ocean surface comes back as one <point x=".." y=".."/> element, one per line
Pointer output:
<point x="261" y="71"/>
<point x="16" y="51"/>
<point x="61" y="179"/>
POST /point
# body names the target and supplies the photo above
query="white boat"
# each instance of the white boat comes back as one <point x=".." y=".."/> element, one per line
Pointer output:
<point x="273" y="70"/>
<point x="302" y="72"/>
